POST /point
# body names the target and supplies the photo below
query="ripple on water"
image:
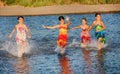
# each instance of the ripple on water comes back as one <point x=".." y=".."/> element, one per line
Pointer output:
<point x="43" y="60"/>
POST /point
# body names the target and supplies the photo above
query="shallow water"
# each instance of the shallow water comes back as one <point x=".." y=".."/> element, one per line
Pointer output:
<point x="41" y="58"/>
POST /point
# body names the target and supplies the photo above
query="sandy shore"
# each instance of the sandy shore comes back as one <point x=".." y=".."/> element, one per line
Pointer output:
<point x="51" y="10"/>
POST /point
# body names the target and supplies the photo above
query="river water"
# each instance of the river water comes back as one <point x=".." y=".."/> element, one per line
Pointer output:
<point x="40" y="57"/>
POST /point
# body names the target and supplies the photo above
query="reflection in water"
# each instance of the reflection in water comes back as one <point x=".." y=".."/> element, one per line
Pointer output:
<point x="64" y="63"/>
<point x="42" y="43"/>
<point x="22" y="67"/>
<point x="87" y="58"/>
<point x="100" y="62"/>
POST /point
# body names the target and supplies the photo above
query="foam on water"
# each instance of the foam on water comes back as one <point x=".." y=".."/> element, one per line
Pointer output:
<point x="74" y="43"/>
<point x="11" y="47"/>
<point x="93" y="44"/>
<point x="58" y="50"/>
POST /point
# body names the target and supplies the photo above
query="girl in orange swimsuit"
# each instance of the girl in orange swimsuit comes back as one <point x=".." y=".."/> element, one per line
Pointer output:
<point x="85" y="37"/>
<point x="62" y="35"/>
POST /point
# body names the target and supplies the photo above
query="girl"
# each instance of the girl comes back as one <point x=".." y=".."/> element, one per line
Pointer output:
<point x="62" y="35"/>
<point x="99" y="30"/>
<point x="85" y="37"/>
<point x="20" y="38"/>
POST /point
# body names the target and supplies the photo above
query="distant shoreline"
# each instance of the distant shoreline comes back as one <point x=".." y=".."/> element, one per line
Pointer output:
<point x="55" y="10"/>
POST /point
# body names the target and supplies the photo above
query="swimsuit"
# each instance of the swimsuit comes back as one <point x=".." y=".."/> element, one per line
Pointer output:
<point x="21" y="35"/>
<point x="85" y="37"/>
<point x="100" y="34"/>
<point x="62" y="36"/>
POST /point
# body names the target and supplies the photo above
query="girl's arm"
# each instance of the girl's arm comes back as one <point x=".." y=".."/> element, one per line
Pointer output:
<point x="27" y="30"/>
<point x="103" y="26"/>
<point x="68" y="21"/>
<point x="50" y="27"/>
<point x="76" y="27"/>
<point x="14" y="29"/>
<point x="92" y="25"/>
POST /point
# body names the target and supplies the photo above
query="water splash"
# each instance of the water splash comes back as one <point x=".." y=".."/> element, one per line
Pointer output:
<point x="93" y="44"/>
<point x="60" y="50"/>
<point x="57" y="49"/>
<point x="11" y="47"/>
<point x="74" y="43"/>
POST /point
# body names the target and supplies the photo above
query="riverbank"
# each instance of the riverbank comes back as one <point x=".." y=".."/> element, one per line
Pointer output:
<point x="64" y="9"/>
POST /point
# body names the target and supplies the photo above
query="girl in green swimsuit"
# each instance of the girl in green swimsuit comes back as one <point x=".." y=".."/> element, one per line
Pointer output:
<point x="100" y="33"/>
<point x="99" y="30"/>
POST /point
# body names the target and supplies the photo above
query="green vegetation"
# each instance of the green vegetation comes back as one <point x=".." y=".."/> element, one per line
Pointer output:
<point x="36" y="3"/>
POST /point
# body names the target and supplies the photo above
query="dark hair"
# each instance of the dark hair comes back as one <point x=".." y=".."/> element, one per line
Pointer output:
<point x="20" y="17"/>
<point x="97" y="14"/>
<point x="84" y="19"/>
<point x="60" y="18"/>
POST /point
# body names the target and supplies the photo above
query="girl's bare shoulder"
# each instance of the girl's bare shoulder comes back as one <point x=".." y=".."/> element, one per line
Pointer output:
<point x="101" y="21"/>
<point x="94" y="22"/>
<point x="24" y="25"/>
<point x="87" y="25"/>
<point x="16" y="25"/>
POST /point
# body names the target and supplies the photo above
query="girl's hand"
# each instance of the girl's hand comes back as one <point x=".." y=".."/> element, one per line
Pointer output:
<point x="67" y="18"/>
<point x="72" y="28"/>
<point x="98" y="30"/>
<point x="29" y="36"/>
<point x="9" y="36"/>
<point x="43" y="26"/>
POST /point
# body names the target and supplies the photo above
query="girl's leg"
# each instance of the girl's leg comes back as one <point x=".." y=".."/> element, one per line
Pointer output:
<point x="21" y="50"/>
<point x="99" y="44"/>
<point x="62" y="45"/>
<point x="62" y="50"/>
<point x="84" y="43"/>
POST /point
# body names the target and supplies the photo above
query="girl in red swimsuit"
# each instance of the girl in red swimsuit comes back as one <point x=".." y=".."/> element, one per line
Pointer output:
<point x="85" y="37"/>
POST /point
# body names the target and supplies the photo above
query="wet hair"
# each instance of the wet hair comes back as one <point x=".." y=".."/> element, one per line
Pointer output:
<point x="60" y="18"/>
<point x="97" y="14"/>
<point x="84" y="19"/>
<point x="20" y="17"/>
